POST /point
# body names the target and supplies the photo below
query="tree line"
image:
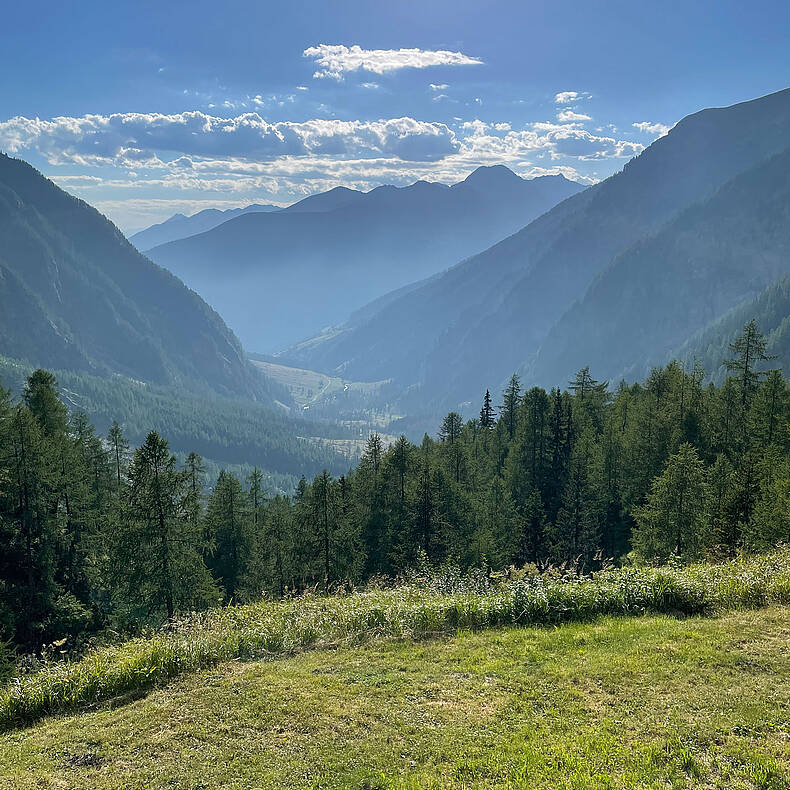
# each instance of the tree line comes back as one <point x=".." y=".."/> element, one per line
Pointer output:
<point x="95" y="535"/>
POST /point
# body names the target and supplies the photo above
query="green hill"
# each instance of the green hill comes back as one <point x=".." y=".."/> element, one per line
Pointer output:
<point x="76" y="295"/>
<point x="655" y="701"/>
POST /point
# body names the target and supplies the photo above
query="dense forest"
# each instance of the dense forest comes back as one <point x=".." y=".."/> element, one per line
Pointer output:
<point x="93" y="535"/>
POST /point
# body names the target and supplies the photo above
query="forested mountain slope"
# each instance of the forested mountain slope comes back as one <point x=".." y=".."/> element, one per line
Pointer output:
<point x="770" y="309"/>
<point x="179" y="226"/>
<point x="655" y="295"/>
<point x="76" y="295"/>
<point x="484" y="317"/>
<point x="279" y="277"/>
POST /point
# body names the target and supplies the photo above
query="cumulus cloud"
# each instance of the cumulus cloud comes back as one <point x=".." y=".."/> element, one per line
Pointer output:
<point x="122" y="138"/>
<point x="335" y="60"/>
<point x="571" y="116"/>
<point x="108" y="159"/>
<point x="657" y="129"/>
<point x="566" y="97"/>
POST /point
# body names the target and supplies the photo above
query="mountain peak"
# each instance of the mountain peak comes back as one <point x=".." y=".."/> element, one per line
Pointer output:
<point x="492" y="175"/>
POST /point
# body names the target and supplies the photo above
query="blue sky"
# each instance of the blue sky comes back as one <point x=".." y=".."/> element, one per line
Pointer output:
<point x="148" y="108"/>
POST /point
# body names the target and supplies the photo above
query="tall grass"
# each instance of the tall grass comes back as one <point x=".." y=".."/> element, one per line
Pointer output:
<point x="413" y="610"/>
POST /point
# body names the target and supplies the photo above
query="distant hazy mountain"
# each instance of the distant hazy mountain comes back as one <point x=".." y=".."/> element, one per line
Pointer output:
<point x="483" y="318"/>
<point x="76" y="295"/>
<point x="278" y="277"/>
<point x="180" y="226"/>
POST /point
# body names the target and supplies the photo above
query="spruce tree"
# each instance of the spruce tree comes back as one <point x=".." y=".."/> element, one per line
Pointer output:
<point x="487" y="413"/>
<point x="511" y="399"/>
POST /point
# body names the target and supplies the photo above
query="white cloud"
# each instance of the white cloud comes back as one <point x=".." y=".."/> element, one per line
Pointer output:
<point x="657" y="129"/>
<point x="568" y="97"/>
<point x="122" y="138"/>
<point x="334" y="60"/>
<point x="301" y="88"/>
<point x="370" y="85"/>
<point x="567" y="116"/>
<point x="194" y="156"/>
<point x="438" y="87"/>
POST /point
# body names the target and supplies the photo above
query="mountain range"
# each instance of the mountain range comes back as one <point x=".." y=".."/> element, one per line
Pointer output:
<point x="76" y="295"/>
<point x="278" y="277"/>
<point x="179" y="226"/>
<point x="615" y="276"/>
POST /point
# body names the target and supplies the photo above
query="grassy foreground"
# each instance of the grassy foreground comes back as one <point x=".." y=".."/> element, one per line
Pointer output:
<point x="414" y="610"/>
<point x="650" y="702"/>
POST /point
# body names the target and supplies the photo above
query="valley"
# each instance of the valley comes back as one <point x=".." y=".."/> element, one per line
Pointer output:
<point x="395" y="397"/>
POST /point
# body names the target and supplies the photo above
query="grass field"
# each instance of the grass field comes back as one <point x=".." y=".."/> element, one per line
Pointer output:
<point x="308" y="387"/>
<point x="655" y="702"/>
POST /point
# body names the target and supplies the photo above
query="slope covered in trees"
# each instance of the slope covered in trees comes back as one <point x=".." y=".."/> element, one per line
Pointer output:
<point x="280" y="277"/>
<point x="486" y="316"/>
<point x="94" y="535"/>
<point x="709" y="346"/>
<point x="74" y="294"/>
<point x="656" y="294"/>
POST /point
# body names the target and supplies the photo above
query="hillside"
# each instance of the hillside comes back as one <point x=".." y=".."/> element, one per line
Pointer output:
<point x="609" y="702"/>
<point x="484" y="317"/>
<point x="771" y="309"/>
<point x="74" y="294"/>
<point x="656" y="294"/>
<point x="227" y="432"/>
<point x="280" y="277"/>
<point x="179" y="226"/>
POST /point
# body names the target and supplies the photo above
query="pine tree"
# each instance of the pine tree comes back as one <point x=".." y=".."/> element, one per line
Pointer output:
<point x="511" y="400"/>
<point x="227" y="520"/>
<point x="750" y="349"/>
<point x="487" y="413"/>
<point x="119" y="448"/>
<point x="40" y="395"/>
<point x="195" y="472"/>
<point x="450" y="436"/>
<point x="675" y="518"/>
<point x="323" y="512"/>
<point x="158" y="559"/>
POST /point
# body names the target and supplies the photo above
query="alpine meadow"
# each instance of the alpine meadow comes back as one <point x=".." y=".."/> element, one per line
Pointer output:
<point x="395" y="395"/>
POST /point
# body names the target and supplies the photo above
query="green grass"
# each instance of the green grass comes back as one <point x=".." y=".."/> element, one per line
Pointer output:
<point x="650" y="702"/>
<point x="308" y="387"/>
<point x="420" y="609"/>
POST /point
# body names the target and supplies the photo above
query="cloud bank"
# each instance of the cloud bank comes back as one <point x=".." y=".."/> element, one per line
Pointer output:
<point x="147" y="160"/>
<point x="134" y="139"/>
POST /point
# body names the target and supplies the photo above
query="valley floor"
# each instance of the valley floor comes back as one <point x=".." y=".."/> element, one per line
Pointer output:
<point x="651" y="702"/>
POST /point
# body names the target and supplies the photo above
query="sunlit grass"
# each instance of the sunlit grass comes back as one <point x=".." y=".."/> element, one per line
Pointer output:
<point x="413" y="610"/>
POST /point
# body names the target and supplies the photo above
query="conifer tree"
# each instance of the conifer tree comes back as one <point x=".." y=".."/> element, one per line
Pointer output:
<point x="511" y="399"/>
<point x="158" y="554"/>
<point x="675" y="518"/>
<point x="119" y="448"/>
<point x="227" y="520"/>
<point x="487" y="413"/>
<point x="750" y="349"/>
